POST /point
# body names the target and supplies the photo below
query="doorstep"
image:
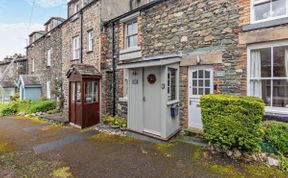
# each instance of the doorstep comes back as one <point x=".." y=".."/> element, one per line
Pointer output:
<point x="276" y="117"/>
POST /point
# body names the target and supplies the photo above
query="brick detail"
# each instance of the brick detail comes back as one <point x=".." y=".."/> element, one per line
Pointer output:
<point x="121" y="36"/>
<point x="140" y="35"/>
<point x="245" y="13"/>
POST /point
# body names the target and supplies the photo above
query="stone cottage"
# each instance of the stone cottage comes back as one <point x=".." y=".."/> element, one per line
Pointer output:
<point x="170" y="53"/>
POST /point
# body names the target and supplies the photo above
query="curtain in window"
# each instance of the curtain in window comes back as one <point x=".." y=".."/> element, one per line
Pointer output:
<point x="256" y="84"/>
<point x="286" y="62"/>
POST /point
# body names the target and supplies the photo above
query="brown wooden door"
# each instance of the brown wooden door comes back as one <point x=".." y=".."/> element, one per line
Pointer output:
<point x="91" y="102"/>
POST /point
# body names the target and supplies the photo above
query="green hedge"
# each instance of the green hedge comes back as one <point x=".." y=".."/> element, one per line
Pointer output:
<point x="276" y="134"/>
<point x="43" y="106"/>
<point x="233" y="121"/>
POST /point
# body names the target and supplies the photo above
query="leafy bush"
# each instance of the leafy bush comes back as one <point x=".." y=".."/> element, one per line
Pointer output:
<point x="9" y="109"/>
<point x="43" y="106"/>
<point x="15" y="97"/>
<point x="276" y="134"/>
<point x="283" y="163"/>
<point x="114" y="121"/>
<point x="233" y="121"/>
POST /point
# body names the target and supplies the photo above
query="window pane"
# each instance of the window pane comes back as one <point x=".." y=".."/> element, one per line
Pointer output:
<point x="135" y="28"/>
<point x="280" y="93"/>
<point x="194" y="83"/>
<point x="194" y="92"/>
<point x="265" y="62"/>
<point x="172" y="92"/>
<point x="129" y="29"/>
<point x="88" y="97"/>
<point x="201" y="91"/>
<point x="278" y="8"/>
<point x="262" y="11"/>
<point x="201" y="74"/>
<point x="207" y="91"/>
<point x="201" y="83"/>
<point x="95" y="92"/>
<point x="207" y="83"/>
<point x="135" y="40"/>
<point x="78" y="92"/>
<point x="73" y="91"/>
<point x="195" y="75"/>
<point x="266" y="92"/>
<point x="207" y="74"/>
<point x="279" y="62"/>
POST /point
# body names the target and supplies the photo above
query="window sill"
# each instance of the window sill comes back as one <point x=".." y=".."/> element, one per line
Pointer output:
<point x="75" y="59"/>
<point x="130" y="50"/>
<point x="276" y="111"/>
<point x="265" y="24"/>
<point x="123" y="99"/>
<point x="88" y="52"/>
<point x="173" y="102"/>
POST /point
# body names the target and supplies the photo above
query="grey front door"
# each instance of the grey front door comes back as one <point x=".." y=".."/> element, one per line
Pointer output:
<point x="151" y="99"/>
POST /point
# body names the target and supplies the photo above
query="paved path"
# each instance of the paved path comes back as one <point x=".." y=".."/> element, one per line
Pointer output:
<point x="39" y="149"/>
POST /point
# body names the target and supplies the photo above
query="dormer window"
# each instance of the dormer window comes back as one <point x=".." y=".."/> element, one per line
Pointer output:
<point x="263" y="10"/>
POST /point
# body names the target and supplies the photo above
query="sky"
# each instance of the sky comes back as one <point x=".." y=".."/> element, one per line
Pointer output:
<point x="18" y="19"/>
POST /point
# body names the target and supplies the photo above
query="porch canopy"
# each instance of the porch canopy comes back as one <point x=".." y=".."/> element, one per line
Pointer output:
<point x="151" y="61"/>
<point x="83" y="70"/>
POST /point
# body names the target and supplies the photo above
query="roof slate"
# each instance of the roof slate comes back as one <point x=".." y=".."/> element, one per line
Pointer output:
<point x="30" y="79"/>
<point x="83" y="69"/>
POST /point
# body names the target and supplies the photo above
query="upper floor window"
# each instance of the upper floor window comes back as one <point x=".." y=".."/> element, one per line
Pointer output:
<point x="131" y="34"/>
<point x="49" y="57"/>
<point x="76" y="7"/>
<point x="90" y="40"/>
<point x="76" y="47"/>
<point x="268" y="9"/>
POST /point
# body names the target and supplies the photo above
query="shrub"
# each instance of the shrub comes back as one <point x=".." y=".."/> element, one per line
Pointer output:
<point x="43" y="106"/>
<point x="276" y="134"/>
<point x="15" y="97"/>
<point x="233" y="121"/>
<point x="9" y="109"/>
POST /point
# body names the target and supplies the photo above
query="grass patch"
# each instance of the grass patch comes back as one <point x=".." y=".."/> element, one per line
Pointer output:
<point x="3" y="147"/>
<point x="262" y="170"/>
<point x="63" y="172"/>
<point x="164" y="148"/>
<point x="223" y="169"/>
<point x="197" y="153"/>
<point x="103" y="137"/>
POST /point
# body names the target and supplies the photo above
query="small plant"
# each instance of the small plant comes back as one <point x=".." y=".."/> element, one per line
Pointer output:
<point x="9" y="109"/>
<point x="283" y="163"/>
<point x="114" y="121"/>
<point x="53" y="111"/>
<point x="276" y="134"/>
<point x="62" y="173"/>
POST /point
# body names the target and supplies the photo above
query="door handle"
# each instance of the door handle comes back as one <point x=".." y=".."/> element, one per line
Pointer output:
<point x="144" y="99"/>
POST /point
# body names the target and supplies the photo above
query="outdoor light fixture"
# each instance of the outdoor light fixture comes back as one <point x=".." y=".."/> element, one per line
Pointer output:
<point x="198" y="60"/>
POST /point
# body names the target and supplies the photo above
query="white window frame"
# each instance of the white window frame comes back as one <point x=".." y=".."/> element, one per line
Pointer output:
<point x="252" y="10"/>
<point x="90" y="40"/>
<point x="76" y="47"/>
<point x="131" y="22"/>
<point x="177" y="68"/>
<point x="252" y="47"/>
<point x="48" y="88"/>
<point x="49" y="53"/>
<point x="33" y="65"/>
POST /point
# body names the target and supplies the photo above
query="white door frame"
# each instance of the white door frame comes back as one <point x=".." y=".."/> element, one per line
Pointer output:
<point x="196" y="98"/>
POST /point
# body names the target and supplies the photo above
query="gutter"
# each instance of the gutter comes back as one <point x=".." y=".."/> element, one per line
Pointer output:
<point x="114" y="72"/>
<point x="81" y="37"/>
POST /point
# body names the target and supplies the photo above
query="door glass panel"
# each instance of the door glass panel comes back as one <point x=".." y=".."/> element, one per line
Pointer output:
<point x="78" y="92"/>
<point x="73" y="91"/>
<point x="91" y="95"/>
<point x="201" y="82"/>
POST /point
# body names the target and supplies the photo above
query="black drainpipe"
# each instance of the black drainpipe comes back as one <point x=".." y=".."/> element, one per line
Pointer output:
<point x="81" y="37"/>
<point x="114" y="71"/>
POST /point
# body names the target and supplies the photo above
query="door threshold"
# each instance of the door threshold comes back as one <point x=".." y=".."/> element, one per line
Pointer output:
<point x="155" y="136"/>
<point x="75" y="125"/>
